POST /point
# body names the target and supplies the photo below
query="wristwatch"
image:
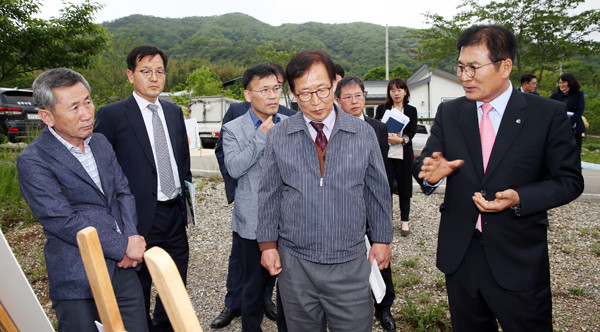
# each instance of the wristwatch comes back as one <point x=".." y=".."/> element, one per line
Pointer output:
<point x="405" y="139"/>
<point x="516" y="209"/>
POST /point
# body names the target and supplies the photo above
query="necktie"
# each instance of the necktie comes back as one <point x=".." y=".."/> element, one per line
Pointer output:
<point x="163" y="160"/>
<point x="321" y="139"/>
<point x="488" y="136"/>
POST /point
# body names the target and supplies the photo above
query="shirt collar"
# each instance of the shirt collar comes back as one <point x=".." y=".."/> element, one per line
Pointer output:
<point x="501" y="101"/>
<point x="69" y="146"/>
<point x="329" y="121"/>
<point x="143" y="103"/>
<point x="257" y="122"/>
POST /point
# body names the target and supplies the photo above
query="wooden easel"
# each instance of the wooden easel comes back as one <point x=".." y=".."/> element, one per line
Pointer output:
<point x="6" y="324"/>
<point x="171" y="290"/>
<point x="95" y="267"/>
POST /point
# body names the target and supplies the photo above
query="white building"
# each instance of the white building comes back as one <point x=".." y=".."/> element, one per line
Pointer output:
<point x="428" y="88"/>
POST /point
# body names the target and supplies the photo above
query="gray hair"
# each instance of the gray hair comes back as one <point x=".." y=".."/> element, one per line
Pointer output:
<point x="52" y="79"/>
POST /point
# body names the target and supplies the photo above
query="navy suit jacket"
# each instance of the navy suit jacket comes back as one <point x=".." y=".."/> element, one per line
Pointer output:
<point x="534" y="153"/>
<point x="123" y="125"/>
<point x="236" y="110"/>
<point x="65" y="200"/>
<point x="382" y="137"/>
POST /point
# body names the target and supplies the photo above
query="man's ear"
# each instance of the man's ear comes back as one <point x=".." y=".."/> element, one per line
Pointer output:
<point x="46" y="116"/>
<point x="248" y="95"/>
<point x="507" y="66"/>
<point x="130" y="76"/>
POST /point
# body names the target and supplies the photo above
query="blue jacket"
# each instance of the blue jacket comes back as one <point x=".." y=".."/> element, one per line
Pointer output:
<point x="65" y="200"/>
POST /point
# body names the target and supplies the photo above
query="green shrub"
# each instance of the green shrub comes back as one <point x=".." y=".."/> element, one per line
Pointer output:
<point x="432" y="317"/>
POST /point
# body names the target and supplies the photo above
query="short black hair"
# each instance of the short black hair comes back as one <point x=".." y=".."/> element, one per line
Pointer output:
<point x="280" y="70"/>
<point x="348" y="80"/>
<point x="399" y="84"/>
<point x="574" y="85"/>
<point x="141" y="52"/>
<point x="257" y="72"/>
<point x="301" y="62"/>
<point x="339" y="70"/>
<point x="500" y="42"/>
<point x="526" y="78"/>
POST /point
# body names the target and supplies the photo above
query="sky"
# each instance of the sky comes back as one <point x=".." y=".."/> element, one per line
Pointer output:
<point x="391" y="12"/>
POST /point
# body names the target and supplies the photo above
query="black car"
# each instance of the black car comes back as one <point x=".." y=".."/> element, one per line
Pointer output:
<point x="18" y="115"/>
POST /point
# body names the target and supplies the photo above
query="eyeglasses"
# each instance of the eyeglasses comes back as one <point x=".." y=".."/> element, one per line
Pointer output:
<point x="265" y="91"/>
<point x="470" y="69"/>
<point x="307" y="96"/>
<point x="147" y="73"/>
<point x="350" y="98"/>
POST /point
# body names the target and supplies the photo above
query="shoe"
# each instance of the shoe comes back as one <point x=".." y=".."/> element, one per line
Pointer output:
<point x="225" y="318"/>
<point x="404" y="232"/>
<point x="385" y="318"/>
<point x="271" y="310"/>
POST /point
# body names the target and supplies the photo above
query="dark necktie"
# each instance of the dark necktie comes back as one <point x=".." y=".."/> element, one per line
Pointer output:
<point x="163" y="159"/>
<point x="321" y="139"/>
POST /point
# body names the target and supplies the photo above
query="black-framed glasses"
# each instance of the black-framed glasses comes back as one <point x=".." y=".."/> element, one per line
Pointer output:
<point x="469" y="70"/>
<point x="147" y="73"/>
<point x="350" y="98"/>
<point x="265" y="91"/>
<point x="307" y="96"/>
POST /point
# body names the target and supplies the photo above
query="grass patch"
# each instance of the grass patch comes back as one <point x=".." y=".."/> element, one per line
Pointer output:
<point x="14" y="211"/>
<point x="591" y="150"/>
<point x="596" y="248"/>
<point x="579" y="291"/>
<point x="406" y="279"/>
<point x="431" y="317"/>
<point x="411" y="262"/>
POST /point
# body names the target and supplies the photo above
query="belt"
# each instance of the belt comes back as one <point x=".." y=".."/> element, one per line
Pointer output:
<point x="169" y="202"/>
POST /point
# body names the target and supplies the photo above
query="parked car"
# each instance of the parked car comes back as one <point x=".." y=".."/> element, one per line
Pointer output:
<point x="18" y="114"/>
<point x="420" y="138"/>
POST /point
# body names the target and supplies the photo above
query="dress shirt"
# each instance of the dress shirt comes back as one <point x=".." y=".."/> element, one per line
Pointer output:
<point x="328" y="124"/>
<point x="147" y="115"/>
<point x="257" y="122"/>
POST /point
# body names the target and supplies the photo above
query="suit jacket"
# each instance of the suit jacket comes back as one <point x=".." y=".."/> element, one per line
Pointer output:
<point x="243" y="147"/>
<point x="534" y="153"/>
<point x="322" y="217"/>
<point x="382" y="136"/>
<point x="408" y="153"/>
<point x="123" y="125"/>
<point x="236" y="110"/>
<point x="575" y="103"/>
<point x="65" y="200"/>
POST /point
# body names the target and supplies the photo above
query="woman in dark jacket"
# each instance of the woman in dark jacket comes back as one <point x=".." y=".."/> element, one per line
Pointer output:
<point x="400" y="156"/>
<point x="568" y="92"/>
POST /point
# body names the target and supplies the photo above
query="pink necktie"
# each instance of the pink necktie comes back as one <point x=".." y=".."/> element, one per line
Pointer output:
<point x="488" y="136"/>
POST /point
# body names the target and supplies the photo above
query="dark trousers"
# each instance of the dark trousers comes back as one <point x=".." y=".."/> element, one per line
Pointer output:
<point x="394" y="171"/>
<point x="254" y="283"/>
<point x="476" y="300"/>
<point x="235" y="273"/>
<point x="168" y="232"/>
<point x="79" y="315"/>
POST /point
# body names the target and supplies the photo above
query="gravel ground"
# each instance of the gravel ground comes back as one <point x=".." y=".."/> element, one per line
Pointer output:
<point x="574" y="244"/>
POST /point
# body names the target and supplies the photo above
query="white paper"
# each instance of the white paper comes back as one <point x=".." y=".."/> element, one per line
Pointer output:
<point x="99" y="326"/>
<point x="397" y="115"/>
<point x="375" y="278"/>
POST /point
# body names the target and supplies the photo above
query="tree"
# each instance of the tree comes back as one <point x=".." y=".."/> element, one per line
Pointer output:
<point x="378" y="73"/>
<point x="546" y="30"/>
<point x="29" y="44"/>
<point x="204" y="82"/>
<point x="268" y="53"/>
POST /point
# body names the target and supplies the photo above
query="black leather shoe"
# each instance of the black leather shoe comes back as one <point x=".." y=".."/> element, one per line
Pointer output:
<point x="271" y="310"/>
<point x="225" y="318"/>
<point x="385" y="318"/>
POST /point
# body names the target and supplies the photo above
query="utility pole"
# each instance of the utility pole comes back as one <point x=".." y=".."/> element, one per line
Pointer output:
<point x="387" y="54"/>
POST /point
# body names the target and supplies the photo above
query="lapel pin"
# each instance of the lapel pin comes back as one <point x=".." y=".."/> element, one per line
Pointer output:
<point x="518" y="120"/>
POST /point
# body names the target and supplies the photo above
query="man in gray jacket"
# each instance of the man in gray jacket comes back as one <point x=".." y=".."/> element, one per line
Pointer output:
<point x="243" y="143"/>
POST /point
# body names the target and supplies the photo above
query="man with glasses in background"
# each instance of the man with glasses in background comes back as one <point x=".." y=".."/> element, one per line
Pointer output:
<point x="323" y="179"/>
<point x="529" y="84"/>
<point x="508" y="157"/>
<point x="243" y="143"/>
<point x="150" y="141"/>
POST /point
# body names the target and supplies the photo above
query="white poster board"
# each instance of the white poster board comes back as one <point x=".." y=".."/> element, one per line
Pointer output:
<point x="16" y="295"/>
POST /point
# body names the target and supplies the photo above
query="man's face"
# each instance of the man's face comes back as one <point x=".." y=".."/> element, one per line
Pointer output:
<point x="148" y="87"/>
<point x="530" y="86"/>
<point x="488" y="83"/>
<point x="352" y="99"/>
<point x="316" y="78"/>
<point x="261" y="95"/>
<point x="73" y="116"/>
